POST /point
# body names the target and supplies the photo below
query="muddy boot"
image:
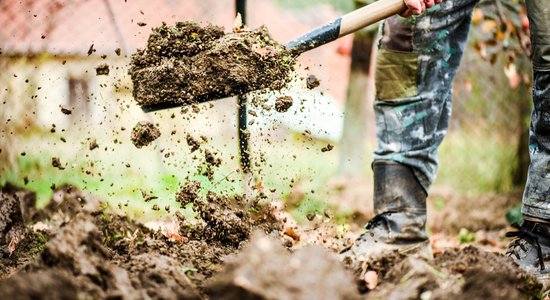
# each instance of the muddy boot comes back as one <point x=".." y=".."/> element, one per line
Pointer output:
<point x="530" y="249"/>
<point x="399" y="224"/>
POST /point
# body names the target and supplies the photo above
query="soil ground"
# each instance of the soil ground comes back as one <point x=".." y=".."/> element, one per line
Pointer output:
<point x="74" y="249"/>
<point x="233" y="248"/>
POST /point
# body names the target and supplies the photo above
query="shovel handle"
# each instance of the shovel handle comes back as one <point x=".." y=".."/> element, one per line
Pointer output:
<point x="346" y="24"/>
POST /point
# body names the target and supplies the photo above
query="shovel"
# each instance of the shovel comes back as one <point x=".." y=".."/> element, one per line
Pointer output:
<point x="340" y="27"/>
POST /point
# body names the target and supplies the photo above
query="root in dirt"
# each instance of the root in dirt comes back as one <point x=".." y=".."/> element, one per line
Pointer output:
<point x="189" y="63"/>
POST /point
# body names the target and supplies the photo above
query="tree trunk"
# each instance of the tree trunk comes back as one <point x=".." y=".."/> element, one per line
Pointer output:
<point x="519" y="171"/>
<point x="360" y="81"/>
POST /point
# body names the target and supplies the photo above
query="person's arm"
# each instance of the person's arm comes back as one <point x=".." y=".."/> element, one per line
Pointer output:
<point x="416" y="7"/>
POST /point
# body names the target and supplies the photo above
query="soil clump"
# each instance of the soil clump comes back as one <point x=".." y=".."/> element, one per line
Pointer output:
<point x="144" y="133"/>
<point x="18" y="243"/>
<point x="282" y="104"/>
<point x="102" y="69"/>
<point x="266" y="270"/>
<point x="468" y="273"/>
<point x="312" y="82"/>
<point x="189" y="63"/>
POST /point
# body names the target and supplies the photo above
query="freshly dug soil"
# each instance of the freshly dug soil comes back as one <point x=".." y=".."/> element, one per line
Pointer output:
<point x="73" y="250"/>
<point x="18" y="243"/>
<point x="144" y="133"/>
<point x="468" y="273"/>
<point x="98" y="255"/>
<point x="266" y="270"/>
<point x="189" y="63"/>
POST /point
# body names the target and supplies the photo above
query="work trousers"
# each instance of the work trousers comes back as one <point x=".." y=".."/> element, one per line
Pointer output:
<point x="417" y="62"/>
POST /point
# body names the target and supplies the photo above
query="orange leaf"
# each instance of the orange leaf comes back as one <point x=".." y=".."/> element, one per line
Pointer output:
<point x="292" y="233"/>
<point x="488" y="25"/>
<point x="477" y="16"/>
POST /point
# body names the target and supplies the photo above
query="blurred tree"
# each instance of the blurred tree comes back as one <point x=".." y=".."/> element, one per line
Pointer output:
<point x="342" y="5"/>
<point x="359" y="82"/>
<point x="504" y="28"/>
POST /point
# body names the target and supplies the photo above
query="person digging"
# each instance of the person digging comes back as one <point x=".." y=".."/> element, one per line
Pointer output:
<point x="419" y="54"/>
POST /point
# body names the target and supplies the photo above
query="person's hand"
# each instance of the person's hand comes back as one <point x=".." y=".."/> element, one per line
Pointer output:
<point x="416" y="7"/>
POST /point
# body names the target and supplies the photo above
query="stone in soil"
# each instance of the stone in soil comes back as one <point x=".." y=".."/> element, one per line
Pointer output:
<point x="144" y="133"/>
<point x="189" y="63"/>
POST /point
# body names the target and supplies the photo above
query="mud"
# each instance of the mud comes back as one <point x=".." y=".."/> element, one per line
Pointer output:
<point x="327" y="148"/>
<point x="100" y="255"/>
<point x="282" y="104"/>
<point x="312" y="82"/>
<point x="144" y="133"/>
<point x="47" y="284"/>
<point x="102" y="69"/>
<point x="220" y="218"/>
<point x="18" y="243"/>
<point x="468" y="273"/>
<point x="56" y="163"/>
<point x="66" y="111"/>
<point x="74" y="249"/>
<point x="193" y="144"/>
<point x="189" y="63"/>
<point x="266" y="270"/>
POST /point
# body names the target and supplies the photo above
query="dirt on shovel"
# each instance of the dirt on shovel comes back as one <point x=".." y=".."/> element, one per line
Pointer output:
<point x="189" y="63"/>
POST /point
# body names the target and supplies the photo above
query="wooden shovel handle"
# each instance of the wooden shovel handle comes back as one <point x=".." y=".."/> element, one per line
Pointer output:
<point x="346" y="24"/>
<point x="370" y="14"/>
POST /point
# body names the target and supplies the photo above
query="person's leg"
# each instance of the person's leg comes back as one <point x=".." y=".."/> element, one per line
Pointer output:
<point x="536" y="198"/>
<point x="531" y="248"/>
<point x="416" y="64"/>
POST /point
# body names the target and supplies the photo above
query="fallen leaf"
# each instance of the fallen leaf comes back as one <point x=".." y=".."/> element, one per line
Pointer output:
<point x="13" y="243"/>
<point x="292" y="233"/>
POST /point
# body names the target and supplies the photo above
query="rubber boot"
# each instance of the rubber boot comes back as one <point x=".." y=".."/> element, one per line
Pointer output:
<point x="400" y="221"/>
<point x="530" y="249"/>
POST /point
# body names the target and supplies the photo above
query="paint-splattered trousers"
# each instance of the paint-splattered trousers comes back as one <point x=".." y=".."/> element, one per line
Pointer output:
<point x="416" y="65"/>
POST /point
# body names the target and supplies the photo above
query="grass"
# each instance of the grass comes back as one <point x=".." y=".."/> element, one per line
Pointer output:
<point x="469" y="164"/>
<point x="119" y="176"/>
<point x="474" y="163"/>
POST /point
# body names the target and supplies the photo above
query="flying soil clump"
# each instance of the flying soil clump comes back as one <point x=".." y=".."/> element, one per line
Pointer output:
<point x="282" y="104"/>
<point x="312" y="82"/>
<point x="144" y="133"/>
<point x="190" y="63"/>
